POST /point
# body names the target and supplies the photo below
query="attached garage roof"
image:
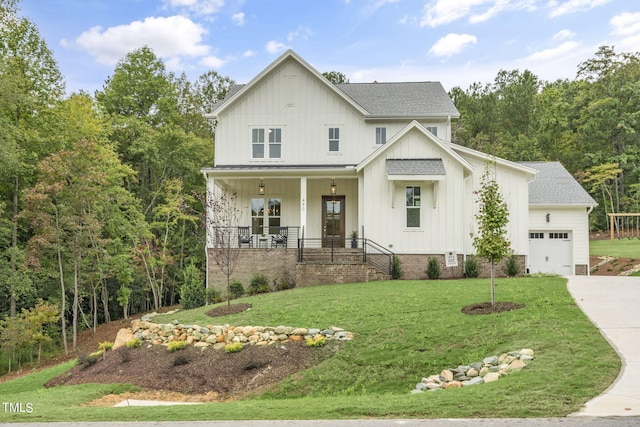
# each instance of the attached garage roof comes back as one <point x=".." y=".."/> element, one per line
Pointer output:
<point x="418" y="169"/>
<point x="554" y="185"/>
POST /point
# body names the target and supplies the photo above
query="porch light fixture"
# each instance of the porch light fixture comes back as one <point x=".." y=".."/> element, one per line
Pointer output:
<point x="261" y="188"/>
<point x="333" y="187"/>
<point x="548" y="217"/>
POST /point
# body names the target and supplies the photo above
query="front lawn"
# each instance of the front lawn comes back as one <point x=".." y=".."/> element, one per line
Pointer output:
<point x="404" y="330"/>
<point x="621" y="248"/>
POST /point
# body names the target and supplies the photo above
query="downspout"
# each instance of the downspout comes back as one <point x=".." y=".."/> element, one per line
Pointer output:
<point x="589" y="258"/>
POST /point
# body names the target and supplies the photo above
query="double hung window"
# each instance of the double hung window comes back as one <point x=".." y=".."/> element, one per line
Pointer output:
<point x="274" y="140"/>
<point x="334" y="139"/>
<point x="381" y="136"/>
<point x="413" y="207"/>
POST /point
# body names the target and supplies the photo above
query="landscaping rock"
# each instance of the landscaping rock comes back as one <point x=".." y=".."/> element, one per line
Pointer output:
<point x="124" y="335"/>
<point x="489" y="370"/>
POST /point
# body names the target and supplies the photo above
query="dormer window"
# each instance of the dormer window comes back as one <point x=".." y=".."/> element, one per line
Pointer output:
<point x="274" y="139"/>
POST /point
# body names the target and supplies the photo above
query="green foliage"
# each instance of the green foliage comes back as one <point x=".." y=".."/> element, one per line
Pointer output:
<point x="176" y="345"/>
<point x="335" y="77"/>
<point x="180" y="359"/>
<point x="214" y="296"/>
<point x="396" y="268"/>
<point x="318" y="341"/>
<point x="283" y="281"/>
<point x="259" y="284"/>
<point x="86" y="360"/>
<point x="512" y="266"/>
<point x="134" y="343"/>
<point x="433" y="268"/>
<point x="192" y="292"/>
<point x="236" y="289"/>
<point x="233" y="347"/>
<point x="105" y="346"/>
<point x="471" y="267"/>
<point x="493" y="217"/>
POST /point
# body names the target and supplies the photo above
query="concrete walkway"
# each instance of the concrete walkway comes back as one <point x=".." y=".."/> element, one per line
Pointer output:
<point x="613" y="305"/>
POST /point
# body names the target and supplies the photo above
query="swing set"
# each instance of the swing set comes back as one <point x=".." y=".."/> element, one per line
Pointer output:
<point x="624" y="225"/>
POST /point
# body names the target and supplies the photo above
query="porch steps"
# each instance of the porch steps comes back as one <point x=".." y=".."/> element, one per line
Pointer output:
<point x="336" y="265"/>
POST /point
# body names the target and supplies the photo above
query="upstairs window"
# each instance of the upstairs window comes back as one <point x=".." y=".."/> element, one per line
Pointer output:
<point x="413" y="207"/>
<point x="274" y="139"/>
<point x="381" y="136"/>
<point x="334" y="139"/>
<point x="433" y="130"/>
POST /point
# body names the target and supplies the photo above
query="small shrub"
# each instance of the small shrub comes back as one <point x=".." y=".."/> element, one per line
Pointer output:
<point x="180" y="359"/>
<point x="105" y="345"/>
<point x="214" y="296"/>
<point x="236" y="289"/>
<point x="396" y="269"/>
<point x="192" y="293"/>
<point x="259" y="284"/>
<point x="134" y="343"/>
<point x="125" y="354"/>
<point x="176" y="345"/>
<point x="233" y="347"/>
<point x="433" y="268"/>
<point x="512" y="266"/>
<point x="471" y="267"/>
<point x="86" y="360"/>
<point x="283" y="282"/>
<point x="318" y="341"/>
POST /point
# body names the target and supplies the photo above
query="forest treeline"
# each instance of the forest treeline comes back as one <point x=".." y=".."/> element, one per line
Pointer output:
<point x="101" y="196"/>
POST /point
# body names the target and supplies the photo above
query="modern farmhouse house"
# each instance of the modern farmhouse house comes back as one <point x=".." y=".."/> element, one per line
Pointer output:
<point x="331" y="181"/>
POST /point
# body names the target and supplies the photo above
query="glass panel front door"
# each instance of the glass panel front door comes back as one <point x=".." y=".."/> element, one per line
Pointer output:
<point x="333" y="221"/>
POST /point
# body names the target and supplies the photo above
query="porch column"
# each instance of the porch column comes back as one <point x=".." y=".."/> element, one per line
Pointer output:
<point x="303" y="203"/>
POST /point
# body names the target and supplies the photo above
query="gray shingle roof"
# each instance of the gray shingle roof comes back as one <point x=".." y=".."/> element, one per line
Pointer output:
<point x="412" y="99"/>
<point x="554" y="185"/>
<point x="415" y="167"/>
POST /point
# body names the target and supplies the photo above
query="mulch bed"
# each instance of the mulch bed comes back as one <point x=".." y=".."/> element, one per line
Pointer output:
<point x="225" y="310"/>
<point x="488" y="308"/>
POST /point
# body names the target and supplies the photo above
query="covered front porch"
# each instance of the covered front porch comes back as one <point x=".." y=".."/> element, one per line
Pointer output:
<point x="277" y="206"/>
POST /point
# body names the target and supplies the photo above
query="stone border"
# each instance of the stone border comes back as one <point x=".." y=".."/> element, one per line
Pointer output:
<point x="219" y="336"/>
<point x="490" y="369"/>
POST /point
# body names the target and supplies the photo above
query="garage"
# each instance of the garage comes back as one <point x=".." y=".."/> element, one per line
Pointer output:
<point x="551" y="252"/>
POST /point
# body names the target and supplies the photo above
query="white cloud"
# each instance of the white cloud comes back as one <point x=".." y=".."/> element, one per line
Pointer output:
<point x="564" y="35"/>
<point x="169" y="37"/>
<point x="199" y="7"/>
<point x="249" y="53"/>
<point x="626" y="24"/>
<point x="275" y="46"/>
<point x="556" y="52"/>
<point x="559" y="8"/>
<point x="238" y="18"/>
<point x="452" y="44"/>
<point x="301" y="32"/>
<point x="440" y="12"/>
<point x="212" y="61"/>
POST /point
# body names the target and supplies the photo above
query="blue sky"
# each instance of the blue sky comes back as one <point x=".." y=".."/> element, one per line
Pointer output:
<point x="456" y="42"/>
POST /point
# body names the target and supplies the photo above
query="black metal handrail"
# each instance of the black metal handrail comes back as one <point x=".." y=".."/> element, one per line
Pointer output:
<point x="339" y="250"/>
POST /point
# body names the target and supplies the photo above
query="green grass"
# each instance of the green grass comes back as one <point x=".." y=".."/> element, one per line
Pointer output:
<point x="404" y="330"/>
<point x="625" y="248"/>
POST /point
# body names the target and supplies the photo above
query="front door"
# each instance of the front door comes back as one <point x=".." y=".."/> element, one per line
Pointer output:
<point x="333" y="221"/>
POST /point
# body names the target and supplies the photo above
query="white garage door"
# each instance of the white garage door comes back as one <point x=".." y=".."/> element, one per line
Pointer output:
<point x="550" y="252"/>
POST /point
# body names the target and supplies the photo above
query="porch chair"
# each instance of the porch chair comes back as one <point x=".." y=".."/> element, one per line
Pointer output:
<point x="280" y="238"/>
<point x="244" y="237"/>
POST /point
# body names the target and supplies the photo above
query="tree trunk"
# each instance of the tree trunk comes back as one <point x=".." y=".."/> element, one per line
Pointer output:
<point x="76" y="302"/>
<point x="63" y="301"/>
<point x="105" y="301"/>
<point x="493" y="284"/>
<point x="14" y="245"/>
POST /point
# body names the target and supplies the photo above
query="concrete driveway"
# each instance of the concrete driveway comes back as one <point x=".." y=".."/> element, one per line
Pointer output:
<point x="613" y="305"/>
